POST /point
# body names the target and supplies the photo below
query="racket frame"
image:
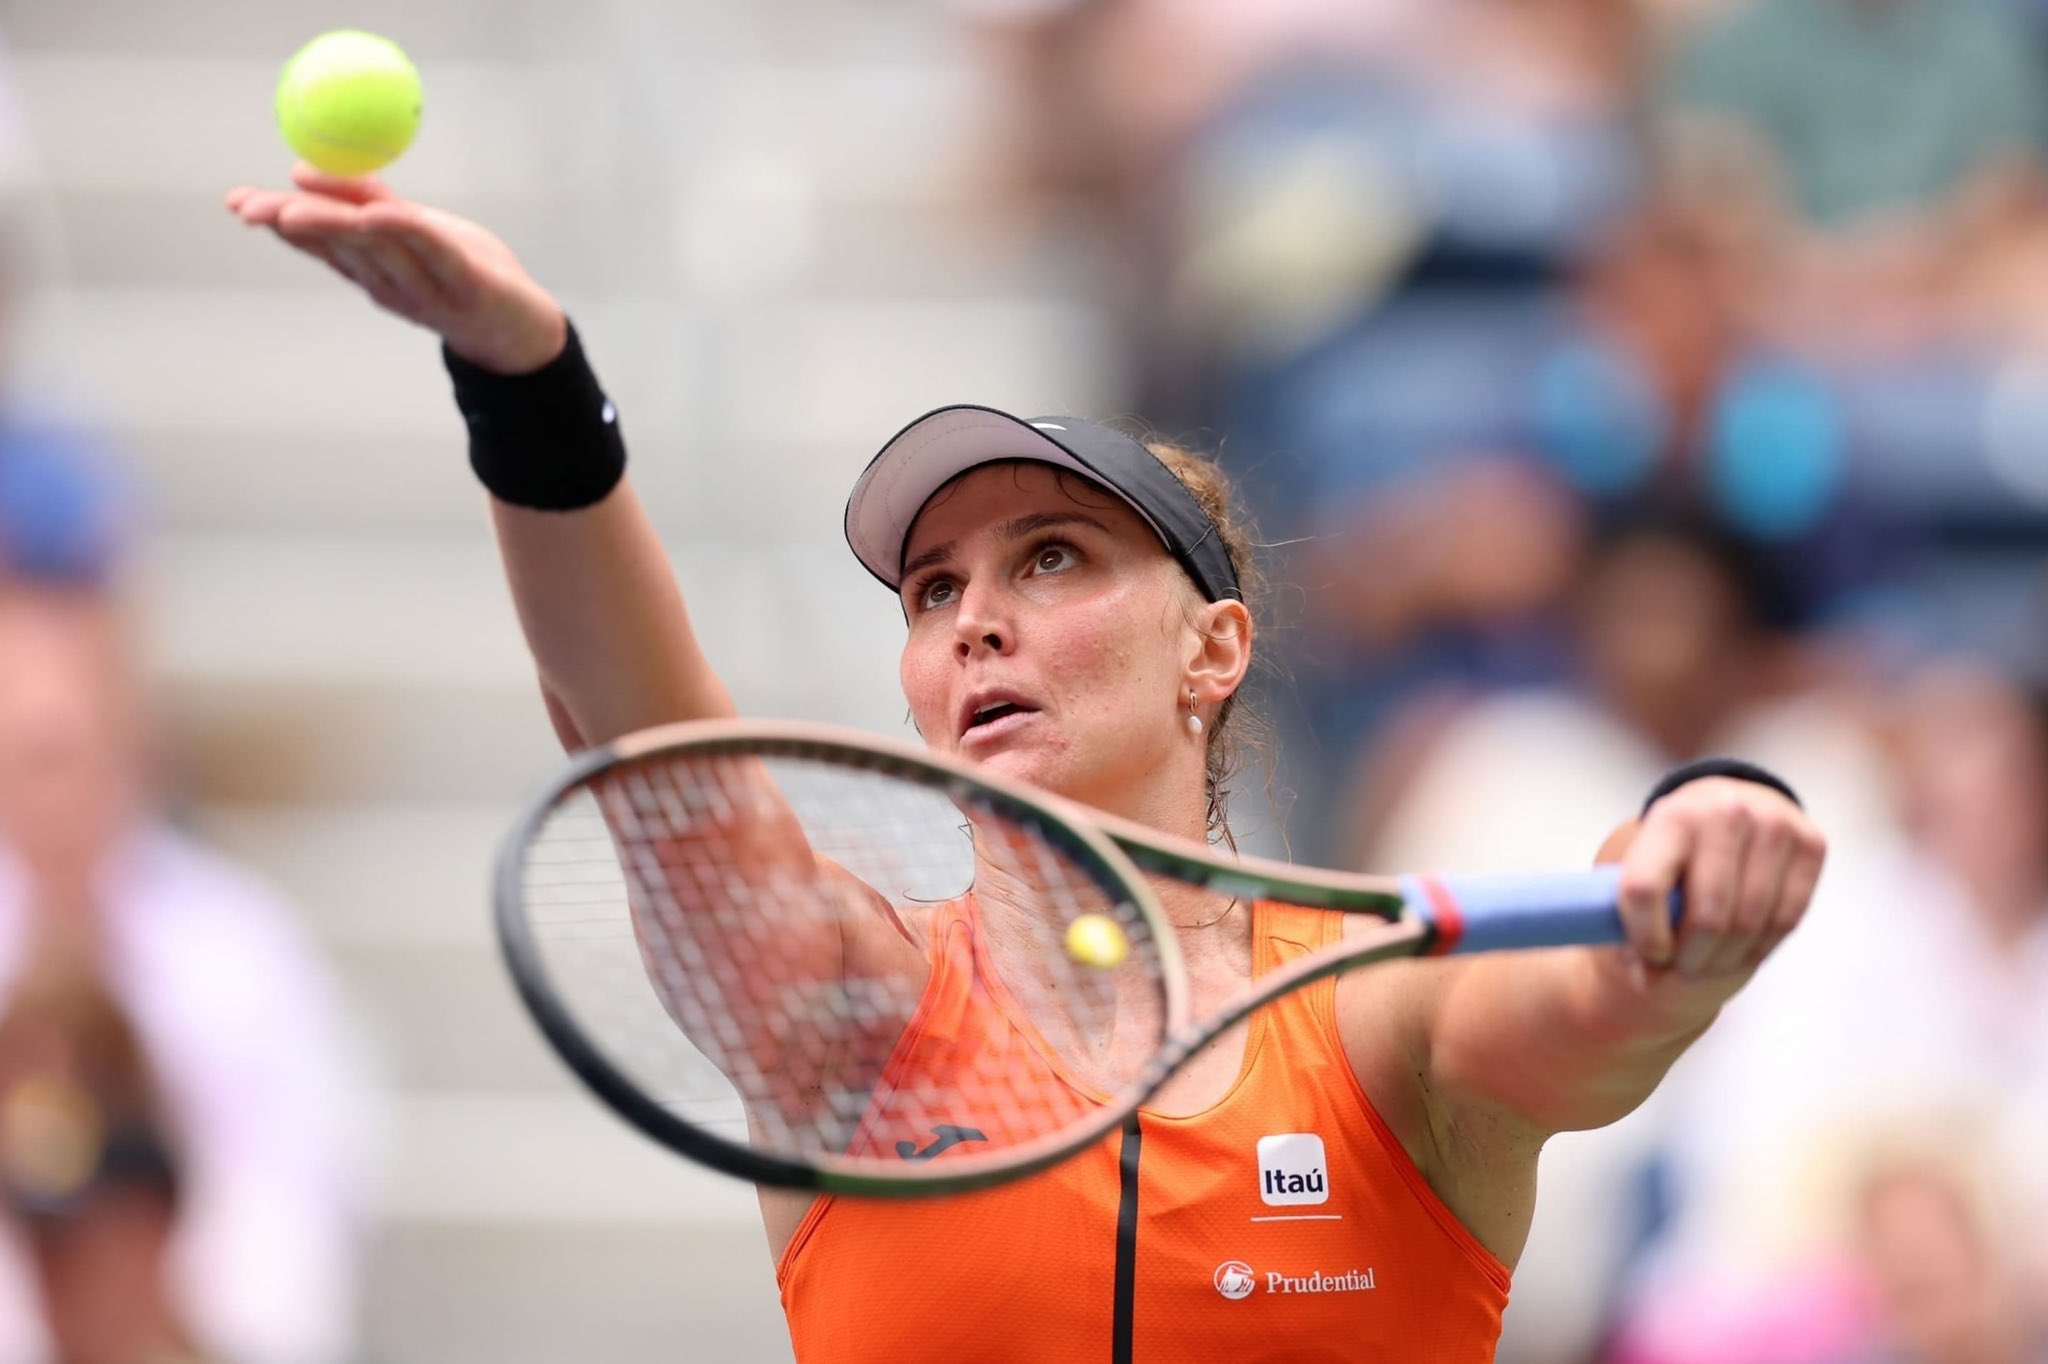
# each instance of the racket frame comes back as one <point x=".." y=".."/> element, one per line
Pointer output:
<point x="1088" y="849"/>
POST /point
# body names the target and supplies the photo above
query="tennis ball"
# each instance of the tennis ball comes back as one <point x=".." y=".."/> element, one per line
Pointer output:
<point x="349" y="102"/>
<point x="1096" y="940"/>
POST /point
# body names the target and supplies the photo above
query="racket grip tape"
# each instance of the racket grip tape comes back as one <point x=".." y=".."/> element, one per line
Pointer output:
<point x="1499" y="913"/>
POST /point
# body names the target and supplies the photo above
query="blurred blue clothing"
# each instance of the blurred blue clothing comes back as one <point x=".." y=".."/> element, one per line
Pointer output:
<point x="63" y="509"/>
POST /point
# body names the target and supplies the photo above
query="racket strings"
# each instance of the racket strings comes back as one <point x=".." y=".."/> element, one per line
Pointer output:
<point x="753" y="942"/>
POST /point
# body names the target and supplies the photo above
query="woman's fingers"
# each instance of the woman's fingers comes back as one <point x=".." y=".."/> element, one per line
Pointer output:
<point x="320" y="248"/>
<point x="394" y="279"/>
<point x="1765" y="861"/>
<point x="349" y="258"/>
<point x="1713" y="880"/>
<point x="316" y="192"/>
<point x="360" y="210"/>
<point x="256" y="207"/>
<point x="1795" y="892"/>
<point x="1748" y="859"/>
<point x="310" y="213"/>
<point x="380" y="264"/>
<point x="1649" y="872"/>
<point x="359" y="189"/>
<point x="428" y="240"/>
<point x="430" y="267"/>
<point x="405" y="285"/>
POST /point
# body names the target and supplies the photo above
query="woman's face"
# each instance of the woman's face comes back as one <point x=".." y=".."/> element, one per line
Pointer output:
<point x="70" y="752"/>
<point x="1050" y="636"/>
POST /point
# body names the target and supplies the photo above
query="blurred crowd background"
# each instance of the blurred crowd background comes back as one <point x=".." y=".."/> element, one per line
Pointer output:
<point x="1615" y="382"/>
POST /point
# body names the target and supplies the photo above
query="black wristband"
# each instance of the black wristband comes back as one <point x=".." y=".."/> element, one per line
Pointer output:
<point x="548" y="440"/>
<point x="1719" y="767"/>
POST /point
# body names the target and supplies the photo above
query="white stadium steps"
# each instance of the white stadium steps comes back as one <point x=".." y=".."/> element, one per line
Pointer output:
<point x="560" y="1292"/>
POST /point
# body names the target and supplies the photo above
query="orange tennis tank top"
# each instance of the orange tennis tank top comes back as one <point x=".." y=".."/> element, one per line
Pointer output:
<point x="1286" y="1222"/>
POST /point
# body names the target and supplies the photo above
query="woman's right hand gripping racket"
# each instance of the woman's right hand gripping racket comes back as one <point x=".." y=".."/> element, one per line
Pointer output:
<point x="816" y="960"/>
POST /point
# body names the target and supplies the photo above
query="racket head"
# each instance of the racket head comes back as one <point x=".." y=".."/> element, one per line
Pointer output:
<point x="592" y="877"/>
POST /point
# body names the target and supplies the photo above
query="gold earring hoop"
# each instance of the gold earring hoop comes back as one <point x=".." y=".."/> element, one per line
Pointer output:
<point x="1194" y="720"/>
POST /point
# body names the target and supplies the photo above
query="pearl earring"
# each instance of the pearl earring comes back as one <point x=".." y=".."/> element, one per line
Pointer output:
<point x="1194" y="720"/>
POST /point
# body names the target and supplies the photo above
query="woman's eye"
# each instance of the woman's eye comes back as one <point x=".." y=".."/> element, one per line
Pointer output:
<point x="1052" y="559"/>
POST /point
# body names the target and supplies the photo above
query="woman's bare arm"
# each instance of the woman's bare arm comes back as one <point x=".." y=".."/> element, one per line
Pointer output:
<point x="1475" y="1062"/>
<point x="1576" y="1039"/>
<point x="604" y="618"/>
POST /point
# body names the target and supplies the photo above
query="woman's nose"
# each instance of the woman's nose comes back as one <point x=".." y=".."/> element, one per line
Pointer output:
<point x="981" y="624"/>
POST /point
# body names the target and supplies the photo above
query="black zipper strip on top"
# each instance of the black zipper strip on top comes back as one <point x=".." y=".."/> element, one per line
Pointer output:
<point x="1126" y="1242"/>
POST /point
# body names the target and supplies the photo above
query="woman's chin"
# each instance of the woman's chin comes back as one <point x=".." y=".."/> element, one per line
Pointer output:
<point x="1015" y="764"/>
<point x="1024" y="763"/>
<point x="1048" y="762"/>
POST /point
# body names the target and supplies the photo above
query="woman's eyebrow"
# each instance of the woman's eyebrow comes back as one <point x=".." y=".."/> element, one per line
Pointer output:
<point x="937" y="554"/>
<point x="1014" y="529"/>
<point x="1037" y="521"/>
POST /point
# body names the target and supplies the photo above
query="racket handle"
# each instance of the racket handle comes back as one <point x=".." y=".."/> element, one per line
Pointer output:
<point x="1496" y="913"/>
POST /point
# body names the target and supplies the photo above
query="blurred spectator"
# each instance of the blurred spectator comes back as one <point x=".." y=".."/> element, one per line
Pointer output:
<point x="1916" y="1002"/>
<point x="1263" y="174"/>
<point x="1678" y="654"/>
<point x="1426" y="590"/>
<point x="1941" y="1274"/>
<point x="1449" y="460"/>
<point x="1097" y="97"/>
<point x="1674" y="643"/>
<point x="1858" y="154"/>
<point x="1639" y="385"/>
<point x="1974" y="754"/>
<point x="1849" y="112"/>
<point x="179" y="1168"/>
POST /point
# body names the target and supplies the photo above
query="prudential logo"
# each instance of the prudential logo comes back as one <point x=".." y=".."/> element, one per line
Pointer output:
<point x="1234" y="1279"/>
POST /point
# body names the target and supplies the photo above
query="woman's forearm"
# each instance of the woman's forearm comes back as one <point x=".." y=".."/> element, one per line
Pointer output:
<point x="604" y="617"/>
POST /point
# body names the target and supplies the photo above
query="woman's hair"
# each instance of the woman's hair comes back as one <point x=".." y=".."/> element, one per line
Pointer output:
<point x="1240" y="731"/>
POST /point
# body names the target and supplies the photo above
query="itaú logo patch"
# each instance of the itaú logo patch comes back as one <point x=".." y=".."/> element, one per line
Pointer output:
<point x="1234" y="1279"/>
<point x="1293" y="1170"/>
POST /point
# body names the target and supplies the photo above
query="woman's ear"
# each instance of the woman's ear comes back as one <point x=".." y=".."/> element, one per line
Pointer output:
<point x="1223" y="650"/>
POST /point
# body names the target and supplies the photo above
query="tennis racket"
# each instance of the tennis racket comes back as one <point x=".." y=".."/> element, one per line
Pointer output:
<point x="816" y="960"/>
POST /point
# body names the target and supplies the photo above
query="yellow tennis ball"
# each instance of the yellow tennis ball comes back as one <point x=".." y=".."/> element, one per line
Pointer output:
<point x="1097" y="940"/>
<point x="349" y="102"/>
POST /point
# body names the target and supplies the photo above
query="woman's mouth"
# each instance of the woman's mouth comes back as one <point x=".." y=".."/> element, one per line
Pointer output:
<point x="989" y="717"/>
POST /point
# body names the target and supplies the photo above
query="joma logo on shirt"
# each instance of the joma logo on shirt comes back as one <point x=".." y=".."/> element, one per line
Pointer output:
<point x="1293" y="1170"/>
<point x="947" y="1137"/>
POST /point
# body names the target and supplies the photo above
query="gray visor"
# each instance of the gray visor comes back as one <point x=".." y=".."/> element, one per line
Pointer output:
<point x="940" y="446"/>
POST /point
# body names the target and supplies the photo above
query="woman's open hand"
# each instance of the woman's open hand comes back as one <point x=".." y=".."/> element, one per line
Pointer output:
<point x="445" y="273"/>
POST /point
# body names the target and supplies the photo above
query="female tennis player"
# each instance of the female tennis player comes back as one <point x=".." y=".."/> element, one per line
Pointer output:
<point x="1350" y="1174"/>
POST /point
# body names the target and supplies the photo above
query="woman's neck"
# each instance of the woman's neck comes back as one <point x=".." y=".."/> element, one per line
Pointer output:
<point x="1189" y="908"/>
<point x="1179" y="808"/>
